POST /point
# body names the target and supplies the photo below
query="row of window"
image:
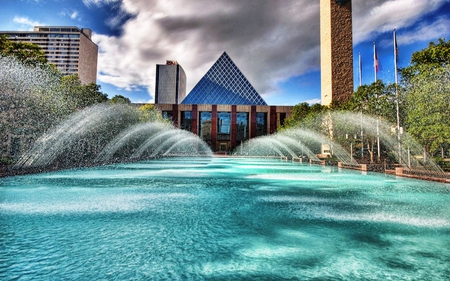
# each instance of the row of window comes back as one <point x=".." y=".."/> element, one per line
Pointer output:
<point x="54" y="42"/>
<point x="51" y="35"/>
<point x="58" y="45"/>
<point x="75" y="66"/>
<point x="223" y="124"/>
<point x="59" y="29"/>
<point x="62" y="57"/>
<point x="46" y="42"/>
<point x="63" y="49"/>
<point x="65" y="61"/>
<point x="62" y="53"/>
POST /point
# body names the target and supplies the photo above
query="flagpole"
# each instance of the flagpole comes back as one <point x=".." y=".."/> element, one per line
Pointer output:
<point x="375" y="61"/>
<point x="396" y="97"/>
<point x="360" y="69"/>
<point x="395" y="57"/>
<point x="396" y="78"/>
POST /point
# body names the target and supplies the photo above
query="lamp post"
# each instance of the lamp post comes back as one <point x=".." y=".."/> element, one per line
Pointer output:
<point x="351" y="147"/>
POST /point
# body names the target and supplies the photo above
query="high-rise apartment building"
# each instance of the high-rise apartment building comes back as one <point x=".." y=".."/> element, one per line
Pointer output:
<point x="170" y="83"/>
<point x="69" y="48"/>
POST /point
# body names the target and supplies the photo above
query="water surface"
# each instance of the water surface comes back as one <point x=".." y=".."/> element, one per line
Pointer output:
<point x="222" y="218"/>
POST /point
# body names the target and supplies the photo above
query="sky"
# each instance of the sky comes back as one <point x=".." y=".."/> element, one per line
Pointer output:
<point x="275" y="43"/>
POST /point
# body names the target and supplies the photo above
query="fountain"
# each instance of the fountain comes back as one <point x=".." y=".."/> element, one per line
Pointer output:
<point x="45" y="132"/>
<point x="292" y="143"/>
<point x="104" y="134"/>
<point x="126" y="210"/>
<point x="222" y="219"/>
<point x="301" y="142"/>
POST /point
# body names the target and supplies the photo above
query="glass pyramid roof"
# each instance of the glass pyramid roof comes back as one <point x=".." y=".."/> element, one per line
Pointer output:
<point x="224" y="83"/>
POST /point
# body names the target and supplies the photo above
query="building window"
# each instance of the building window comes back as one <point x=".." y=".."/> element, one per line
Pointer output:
<point x="205" y="125"/>
<point x="186" y="120"/>
<point x="167" y="115"/>
<point x="261" y="124"/>
<point x="282" y="118"/>
<point x="223" y="122"/>
<point x="242" y="126"/>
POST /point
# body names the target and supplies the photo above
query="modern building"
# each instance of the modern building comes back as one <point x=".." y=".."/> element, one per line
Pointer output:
<point x="170" y="83"/>
<point x="224" y="127"/>
<point x="224" y="83"/>
<point x="223" y="108"/>
<point x="336" y="50"/>
<point x="69" y="48"/>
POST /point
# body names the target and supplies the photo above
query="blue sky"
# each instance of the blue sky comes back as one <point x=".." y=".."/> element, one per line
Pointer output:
<point x="275" y="43"/>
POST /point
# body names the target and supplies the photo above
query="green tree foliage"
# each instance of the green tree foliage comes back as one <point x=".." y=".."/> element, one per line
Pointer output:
<point x="79" y="95"/>
<point x="427" y="93"/>
<point x="33" y="99"/>
<point x="428" y="115"/>
<point x="376" y="99"/>
<point x="149" y="113"/>
<point x="304" y="115"/>
<point x="436" y="55"/>
<point x="27" y="53"/>
<point x="120" y="99"/>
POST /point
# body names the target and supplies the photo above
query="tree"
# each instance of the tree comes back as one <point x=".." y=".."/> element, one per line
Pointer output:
<point x="120" y="99"/>
<point x="428" y="115"/>
<point x="303" y="114"/>
<point x="375" y="99"/>
<point x="80" y="96"/>
<point x="436" y="55"/>
<point x="149" y="113"/>
<point x="427" y="83"/>
<point x="27" y="53"/>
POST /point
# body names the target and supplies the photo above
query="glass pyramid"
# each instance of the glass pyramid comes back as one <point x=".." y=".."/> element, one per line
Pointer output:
<point x="224" y="83"/>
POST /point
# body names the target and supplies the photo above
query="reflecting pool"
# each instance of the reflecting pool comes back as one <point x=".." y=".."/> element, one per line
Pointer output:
<point x="222" y="218"/>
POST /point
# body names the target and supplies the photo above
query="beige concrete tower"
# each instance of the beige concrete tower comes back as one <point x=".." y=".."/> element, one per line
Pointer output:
<point x="336" y="50"/>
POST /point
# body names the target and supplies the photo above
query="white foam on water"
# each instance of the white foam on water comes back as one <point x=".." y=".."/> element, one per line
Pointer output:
<point x="130" y="174"/>
<point x="317" y="200"/>
<point x="92" y="203"/>
<point x="329" y="213"/>
<point x="286" y="177"/>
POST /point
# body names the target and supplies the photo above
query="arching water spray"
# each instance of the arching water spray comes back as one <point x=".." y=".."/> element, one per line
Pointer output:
<point x="103" y="134"/>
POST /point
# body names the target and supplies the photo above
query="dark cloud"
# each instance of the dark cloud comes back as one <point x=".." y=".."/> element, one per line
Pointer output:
<point x="270" y="40"/>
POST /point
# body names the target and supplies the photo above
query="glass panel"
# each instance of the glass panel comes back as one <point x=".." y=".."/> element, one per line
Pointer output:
<point x="186" y="120"/>
<point x="282" y="118"/>
<point x="223" y="123"/>
<point x="167" y="115"/>
<point x="224" y="83"/>
<point x="261" y="124"/>
<point x="242" y="126"/>
<point x="205" y="125"/>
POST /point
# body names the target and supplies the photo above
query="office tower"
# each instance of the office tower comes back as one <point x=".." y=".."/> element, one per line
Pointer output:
<point x="170" y="83"/>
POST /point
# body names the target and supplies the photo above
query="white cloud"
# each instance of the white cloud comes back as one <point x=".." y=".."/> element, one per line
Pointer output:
<point x="426" y="32"/>
<point x="378" y="16"/>
<point x="314" y="101"/>
<point x="28" y="23"/>
<point x="262" y="38"/>
<point x="99" y="3"/>
<point x="270" y="41"/>
<point x="74" y="15"/>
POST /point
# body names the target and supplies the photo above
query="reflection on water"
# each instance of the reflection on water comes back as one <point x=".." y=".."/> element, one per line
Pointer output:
<point x="223" y="218"/>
